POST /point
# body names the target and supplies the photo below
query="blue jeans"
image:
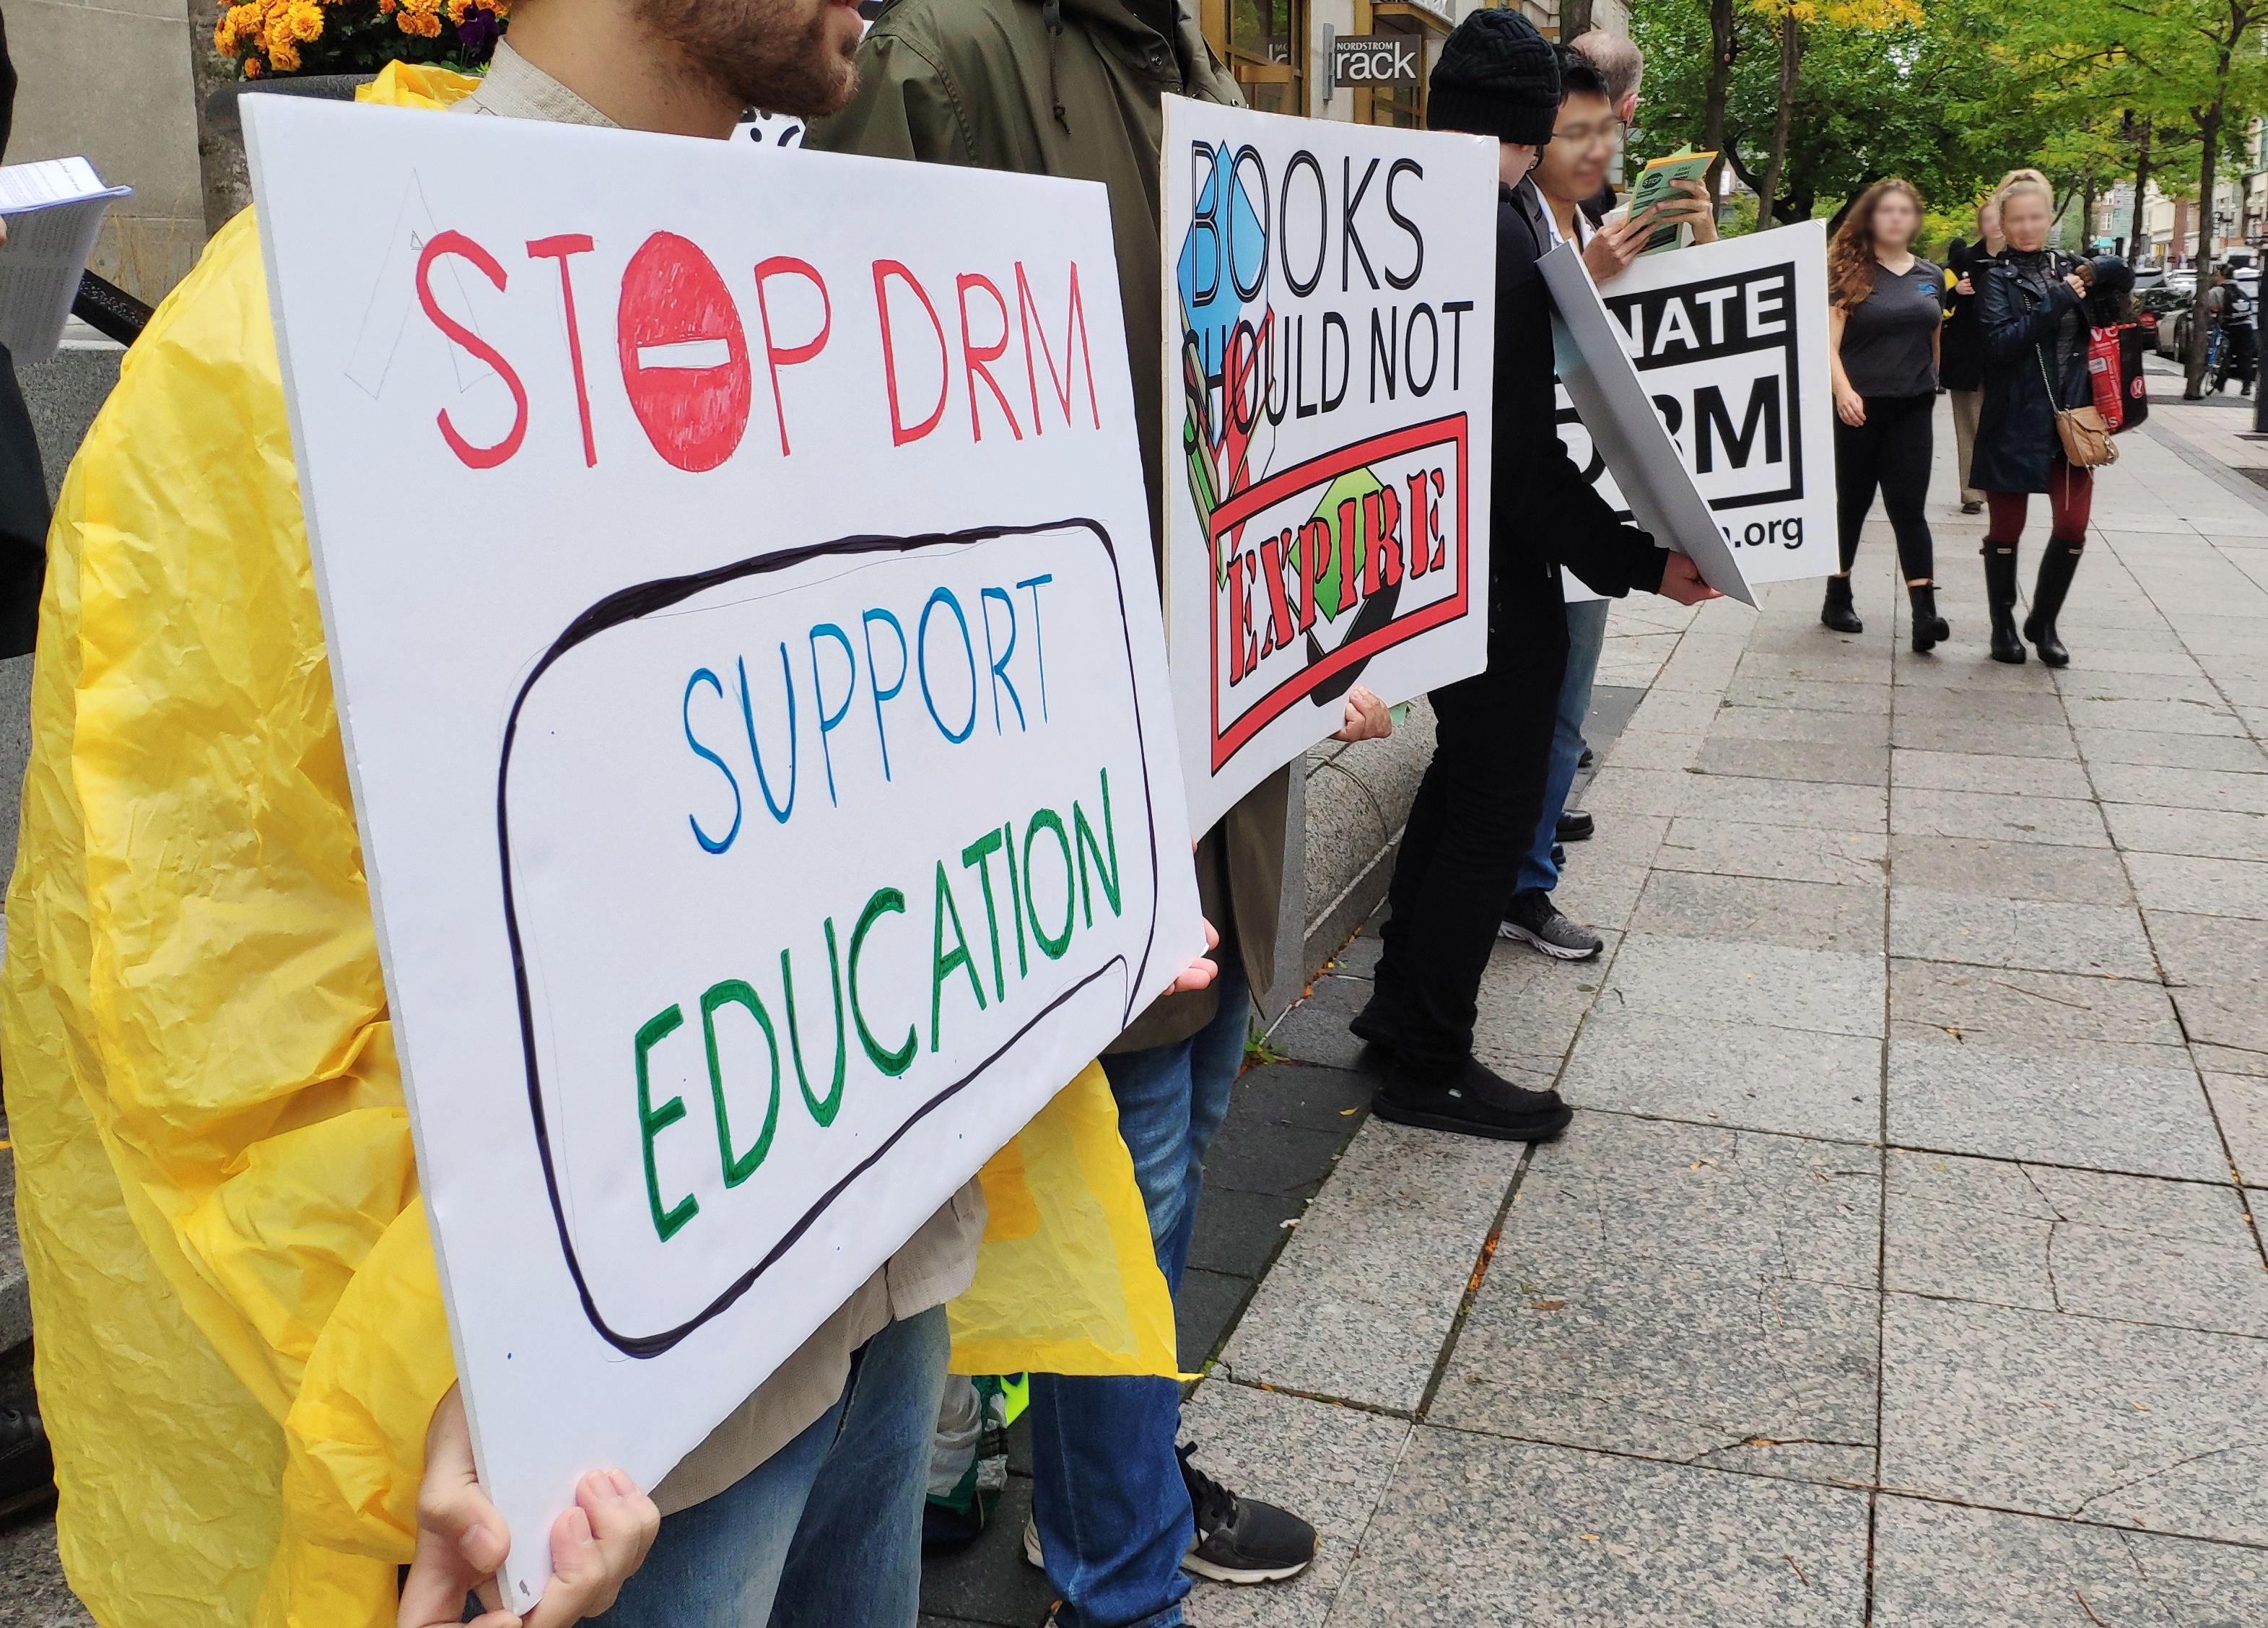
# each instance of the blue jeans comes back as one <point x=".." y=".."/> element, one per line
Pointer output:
<point x="1586" y="637"/>
<point x="827" y="1532"/>
<point x="1107" y="1497"/>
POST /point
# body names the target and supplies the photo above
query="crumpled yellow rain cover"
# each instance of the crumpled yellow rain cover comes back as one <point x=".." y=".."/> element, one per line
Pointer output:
<point x="239" y="1333"/>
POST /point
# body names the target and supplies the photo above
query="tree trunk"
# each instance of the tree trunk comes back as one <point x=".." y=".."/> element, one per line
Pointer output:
<point x="1719" y="89"/>
<point x="2086" y="215"/>
<point x="1791" y="55"/>
<point x="2209" y="128"/>
<point x="2136" y="239"/>
<point x="1574" y="20"/>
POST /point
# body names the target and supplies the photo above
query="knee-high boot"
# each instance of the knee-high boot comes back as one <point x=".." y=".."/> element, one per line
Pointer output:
<point x="2058" y="565"/>
<point x="2000" y="596"/>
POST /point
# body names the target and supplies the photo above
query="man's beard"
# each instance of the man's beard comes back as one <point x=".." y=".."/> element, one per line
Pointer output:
<point x="775" y="54"/>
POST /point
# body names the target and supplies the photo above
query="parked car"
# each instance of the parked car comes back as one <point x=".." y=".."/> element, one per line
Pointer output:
<point x="2164" y="312"/>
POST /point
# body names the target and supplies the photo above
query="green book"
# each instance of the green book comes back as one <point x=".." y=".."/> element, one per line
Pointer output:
<point x="1656" y="185"/>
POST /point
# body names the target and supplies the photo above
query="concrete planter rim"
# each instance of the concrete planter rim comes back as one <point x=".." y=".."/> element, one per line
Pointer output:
<point x="222" y="112"/>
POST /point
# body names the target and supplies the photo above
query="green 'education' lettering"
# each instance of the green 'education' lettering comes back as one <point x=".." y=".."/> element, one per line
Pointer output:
<point x="941" y="965"/>
<point x="823" y="1108"/>
<point x="885" y="901"/>
<point x="653" y="1121"/>
<point x="731" y="992"/>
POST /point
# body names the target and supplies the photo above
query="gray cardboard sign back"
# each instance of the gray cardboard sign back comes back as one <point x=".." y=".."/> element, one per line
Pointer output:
<point x="1648" y="464"/>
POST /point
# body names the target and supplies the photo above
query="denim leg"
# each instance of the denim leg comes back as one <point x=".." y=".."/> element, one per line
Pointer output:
<point x="718" y="1564"/>
<point x="1107" y="1497"/>
<point x="1587" y="638"/>
<point x="856" y="1561"/>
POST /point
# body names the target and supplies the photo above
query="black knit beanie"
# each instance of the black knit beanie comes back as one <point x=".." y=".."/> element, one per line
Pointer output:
<point x="1495" y="76"/>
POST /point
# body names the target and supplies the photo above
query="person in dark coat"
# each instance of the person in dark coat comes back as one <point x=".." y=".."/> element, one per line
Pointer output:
<point x="23" y="484"/>
<point x="1482" y="797"/>
<point x="1961" y="359"/>
<point x="2028" y="309"/>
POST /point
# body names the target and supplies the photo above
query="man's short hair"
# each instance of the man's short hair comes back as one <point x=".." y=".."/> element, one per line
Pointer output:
<point x="1579" y="75"/>
<point x="1619" y="62"/>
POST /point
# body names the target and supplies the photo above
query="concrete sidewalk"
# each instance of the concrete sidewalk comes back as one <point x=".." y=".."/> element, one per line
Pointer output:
<point x="1899" y="1266"/>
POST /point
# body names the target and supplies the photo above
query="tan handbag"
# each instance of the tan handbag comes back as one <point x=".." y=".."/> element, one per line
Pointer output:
<point x="2086" y="443"/>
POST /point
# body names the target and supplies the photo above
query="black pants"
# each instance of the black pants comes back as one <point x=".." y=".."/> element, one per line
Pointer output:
<point x="1890" y="450"/>
<point x="2239" y="349"/>
<point x="1473" y="822"/>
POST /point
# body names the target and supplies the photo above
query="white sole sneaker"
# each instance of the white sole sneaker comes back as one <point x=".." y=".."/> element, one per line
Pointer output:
<point x="1032" y="1545"/>
<point x="1558" y="951"/>
<point x="1191" y="1564"/>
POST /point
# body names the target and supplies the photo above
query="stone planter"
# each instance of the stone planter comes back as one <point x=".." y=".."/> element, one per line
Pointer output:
<point x="228" y="184"/>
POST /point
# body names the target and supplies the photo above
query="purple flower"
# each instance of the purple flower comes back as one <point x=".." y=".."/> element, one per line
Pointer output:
<point x="477" y="35"/>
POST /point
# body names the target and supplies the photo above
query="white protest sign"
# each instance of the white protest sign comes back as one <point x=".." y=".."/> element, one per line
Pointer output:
<point x="734" y="568"/>
<point x="1730" y="341"/>
<point x="1330" y="323"/>
<point x="1647" y="466"/>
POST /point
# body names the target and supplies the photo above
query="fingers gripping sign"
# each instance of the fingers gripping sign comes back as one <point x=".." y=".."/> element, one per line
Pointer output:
<point x="596" y="1544"/>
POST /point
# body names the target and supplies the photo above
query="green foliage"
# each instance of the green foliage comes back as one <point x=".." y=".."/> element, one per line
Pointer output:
<point x="1871" y="102"/>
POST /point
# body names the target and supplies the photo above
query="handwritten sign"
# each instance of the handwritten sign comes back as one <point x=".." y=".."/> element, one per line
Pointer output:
<point x="1729" y="341"/>
<point x="734" y="568"/>
<point x="1329" y="330"/>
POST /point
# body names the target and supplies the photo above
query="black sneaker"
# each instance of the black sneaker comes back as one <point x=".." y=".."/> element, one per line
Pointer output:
<point x="1558" y="856"/>
<point x="1585" y="761"/>
<point x="1575" y="827"/>
<point x="1474" y="1100"/>
<point x="27" y="1465"/>
<point x="1241" y="1540"/>
<point x="1533" y="919"/>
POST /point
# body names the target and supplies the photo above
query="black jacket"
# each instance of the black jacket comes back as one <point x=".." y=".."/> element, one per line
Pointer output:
<point x="1960" y="355"/>
<point x="2015" y="425"/>
<point x="1543" y="513"/>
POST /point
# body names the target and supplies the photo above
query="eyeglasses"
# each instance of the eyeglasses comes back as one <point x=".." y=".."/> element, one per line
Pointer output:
<point x="1605" y="129"/>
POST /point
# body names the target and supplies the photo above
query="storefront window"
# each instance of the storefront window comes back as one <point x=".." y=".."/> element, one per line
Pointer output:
<point x="1267" y="52"/>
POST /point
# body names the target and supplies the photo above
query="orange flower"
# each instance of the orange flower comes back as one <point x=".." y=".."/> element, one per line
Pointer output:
<point x="252" y="70"/>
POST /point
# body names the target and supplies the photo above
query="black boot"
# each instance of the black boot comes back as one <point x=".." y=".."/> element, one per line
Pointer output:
<point x="1930" y="629"/>
<point x="2000" y="594"/>
<point x="2058" y="565"/>
<point x="1837" y="612"/>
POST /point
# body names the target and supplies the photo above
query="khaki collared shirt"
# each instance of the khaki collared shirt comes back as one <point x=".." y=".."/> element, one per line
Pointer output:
<point x="936" y="1263"/>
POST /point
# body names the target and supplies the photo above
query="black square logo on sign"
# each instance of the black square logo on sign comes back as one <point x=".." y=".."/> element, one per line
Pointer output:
<point x="1718" y="358"/>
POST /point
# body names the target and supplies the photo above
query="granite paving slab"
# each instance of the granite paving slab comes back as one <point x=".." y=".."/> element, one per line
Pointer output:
<point x="1531" y="1006"/>
<point x="1475" y="1532"/>
<point x="1798" y="1082"/>
<point x="2209" y="833"/>
<point x="2140" y="1250"/>
<point x="2166" y="881"/>
<point x="2157" y="1428"/>
<point x="2046" y="936"/>
<point x="1941" y="1565"/>
<point x="1785" y="803"/>
<point x="1329" y="1464"/>
<point x="32" y="1593"/>
<point x="1859" y="732"/>
<point x="1767" y="984"/>
<point x="1992" y="737"/>
<point x="1829" y="763"/>
<point x="2216" y="965"/>
<point x="2240" y="1104"/>
<point x="2150" y="747"/>
<point x="1812" y="915"/>
<point x="2010" y="1009"/>
<point x="1655" y="749"/>
<point x="2171" y="717"/>
<point x="1619" y="790"/>
<point x="1919" y="812"/>
<point x="2130" y="1109"/>
<point x="2181" y="788"/>
<point x="1680" y="1292"/>
<point x="2002" y="870"/>
<point x="1363" y="1296"/>
<point x="988" y="1580"/>
<point x="1739" y="847"/>
<point x="1806" y="695"/>
<point x="1975" y="771"/>
<point x="1987" y="703"/>
<point x="1316" y="1030"/>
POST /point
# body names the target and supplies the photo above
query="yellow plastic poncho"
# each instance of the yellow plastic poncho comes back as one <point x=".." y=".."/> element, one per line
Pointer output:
<point x="240" y="1336"/>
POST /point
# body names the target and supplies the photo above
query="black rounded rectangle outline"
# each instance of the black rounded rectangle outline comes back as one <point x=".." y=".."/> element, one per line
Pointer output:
<point x="643" y="600"/>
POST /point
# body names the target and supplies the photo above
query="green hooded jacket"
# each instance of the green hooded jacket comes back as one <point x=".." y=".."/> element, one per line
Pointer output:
<point x="1072" y="88"/>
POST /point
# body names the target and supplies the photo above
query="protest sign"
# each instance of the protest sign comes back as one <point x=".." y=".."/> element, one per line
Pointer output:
<point x="1729" y="340"/>
<point x="734" y="570"/>
<point x="1329" y="331"/>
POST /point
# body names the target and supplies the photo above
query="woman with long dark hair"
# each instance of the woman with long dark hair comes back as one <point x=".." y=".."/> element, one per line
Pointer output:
<point x="1886" y="308"/>
<point x="2028" y="310"/>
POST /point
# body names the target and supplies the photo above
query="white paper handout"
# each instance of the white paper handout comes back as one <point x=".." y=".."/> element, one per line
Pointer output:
<point x="54" y="209"/>
<point x="1648" y="464"/>
<point x="735" y="568"/>
<point x="1329" y="331"/>
<point x="1729" y="340"/>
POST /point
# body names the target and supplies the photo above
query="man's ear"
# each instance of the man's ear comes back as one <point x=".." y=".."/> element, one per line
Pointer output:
<point x="1626" y="109"/>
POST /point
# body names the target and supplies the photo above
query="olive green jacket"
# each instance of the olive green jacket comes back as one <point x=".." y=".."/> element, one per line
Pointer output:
<point x="979" y="83"/>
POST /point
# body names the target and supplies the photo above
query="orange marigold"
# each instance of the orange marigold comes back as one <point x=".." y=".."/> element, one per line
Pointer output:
<point x="252" y="69"/>
<point x="283" y="56"/>
<point x="424" y="24"/>
<point x="305" y="20"/>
